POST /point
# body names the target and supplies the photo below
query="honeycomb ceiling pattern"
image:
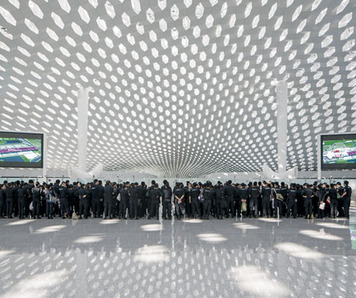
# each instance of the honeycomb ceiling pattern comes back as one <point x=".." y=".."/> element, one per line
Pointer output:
<point x="178" y="88"/>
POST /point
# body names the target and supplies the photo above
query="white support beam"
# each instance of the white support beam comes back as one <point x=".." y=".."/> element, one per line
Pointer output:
<point x="83" y="103"/>
<point x="282" y="109"/>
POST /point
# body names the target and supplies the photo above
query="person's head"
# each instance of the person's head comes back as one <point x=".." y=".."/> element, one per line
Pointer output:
<point x="107" y="182"/>
<point x="283" y="184"/>
<point x="79" y="184"/>
<point x="153" y="182"/>
<point x="30" y="182"/>
<point x="64" y="184"/>
<point x="143" y="184"/>
<point x="255" y="184"/>
<point x="346" y="183"/>
<point x="338" y="184"/>
<point x="305" y="185"/>
<point x="156" y="185"/>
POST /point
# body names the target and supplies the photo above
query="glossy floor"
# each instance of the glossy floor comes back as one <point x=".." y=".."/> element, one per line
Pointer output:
<point x="191" y="258"/>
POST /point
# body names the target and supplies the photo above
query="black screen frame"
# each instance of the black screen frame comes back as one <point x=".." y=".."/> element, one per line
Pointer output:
<point x="24" y="135"/>
<point x="335" y="137"/>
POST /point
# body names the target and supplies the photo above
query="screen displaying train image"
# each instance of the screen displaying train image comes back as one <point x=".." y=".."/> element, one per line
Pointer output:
<point x="339" y="151"/>
<point x="23" y="150"/>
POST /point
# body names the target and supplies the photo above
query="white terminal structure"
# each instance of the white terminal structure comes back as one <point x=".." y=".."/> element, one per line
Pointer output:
<point x="179" y="88"/>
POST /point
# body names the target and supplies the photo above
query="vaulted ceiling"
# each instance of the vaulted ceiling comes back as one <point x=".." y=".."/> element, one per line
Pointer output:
<point x="178" y="88"/>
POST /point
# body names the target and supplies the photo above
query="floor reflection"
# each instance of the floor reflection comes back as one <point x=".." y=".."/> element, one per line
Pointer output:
<point x="188" y="258"/>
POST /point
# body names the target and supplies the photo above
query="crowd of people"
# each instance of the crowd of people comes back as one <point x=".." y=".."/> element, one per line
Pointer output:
<point x="193" y="200"/>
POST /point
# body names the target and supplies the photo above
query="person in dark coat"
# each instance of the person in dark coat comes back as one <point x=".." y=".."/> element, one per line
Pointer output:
<point x="167" y="200"/>
<point x="108" y="200"/>
<point x="155" y="199"/>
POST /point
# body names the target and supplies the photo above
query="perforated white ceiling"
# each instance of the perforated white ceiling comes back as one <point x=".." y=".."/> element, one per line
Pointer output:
<point x="178" y="88"/>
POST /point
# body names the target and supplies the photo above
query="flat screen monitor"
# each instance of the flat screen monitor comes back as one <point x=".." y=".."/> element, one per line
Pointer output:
<point x="338" y="151"/>
<point x="21" y="150"/>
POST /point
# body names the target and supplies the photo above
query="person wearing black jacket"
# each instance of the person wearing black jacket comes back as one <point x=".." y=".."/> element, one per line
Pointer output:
<point x="333" y="200"/>
<point x="195" y="192"/>
<point x="346" y="198"/>
<point x="278" y="202"/>
<point x="229" y="197"/>
<point x="97" y="192"/>
<point x="63" y="199"/>
<point x="209" y="195"/>
<point x="266" y="199"/>
<point x="179" y="193"/>
<point x="83" y="197"/>
<point x="108" y="200"/>
<point x="292" y="201"/>
<point x="21" y="195"/>
<point x="307" y="195"/>
<point x="155" y="196"/>
<point x="167" y="200"/>
<point x="28" y="197"/>
<point x="320" y="194"/>
<point x="142" y="199"/>
<point x="254" y="193"/>
<point x="133" y="209"/>
<point x="36" y="200"/>
<point x="9" y="193"/>
<point x="124" y="200"/>
<point x="243" y="194"/>
<point x="220" y="201"/>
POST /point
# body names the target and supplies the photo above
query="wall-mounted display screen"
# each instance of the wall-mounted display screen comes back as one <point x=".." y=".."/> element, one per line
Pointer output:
<point x="24" y="150"/>
<point x="338" y="152"/>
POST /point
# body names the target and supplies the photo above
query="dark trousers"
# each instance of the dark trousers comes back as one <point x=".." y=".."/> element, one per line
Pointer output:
<point x="206" y="208"/>
<point x="49" y="209"/>
<point x="133" y="208"/>
<point x="254" y="207"/>
<point x="36" y="204"/>
<point x="65" y="207"/>
<point x="167" y="209"/>
<point x="196" y="207"/>
<point x="292" y="205"/>
<point x="83" y="207"/>
<point x="308" y="206"/>
<point x="179" y="208"/>
<point x="96" y="207"/>
<point x="347" y="202"/>
<point x="320" y="213"/>
<point x="123" y="207"/>
<point x="2" y="206"/>
<point x="230" y="206"/>
<point x="154" y="206"/>
<point x="279" y="205"/>
<point x="9" y="207"/>
<point x="238" y="204"/>
<point x="21" y="208"/>
<point x="266" y="207"/>
<point x="219" y="210"/>
<point x="188" y="207"/>
<point x="108" y="208"/>
<point x="333" y="207"/>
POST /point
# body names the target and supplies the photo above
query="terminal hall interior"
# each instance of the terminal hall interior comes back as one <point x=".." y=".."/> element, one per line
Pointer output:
<point x="166" y="148"/>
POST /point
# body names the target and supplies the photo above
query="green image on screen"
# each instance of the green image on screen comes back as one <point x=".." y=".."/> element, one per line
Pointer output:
<point x="339" y="151"/>
<point x="20" y="150"/>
